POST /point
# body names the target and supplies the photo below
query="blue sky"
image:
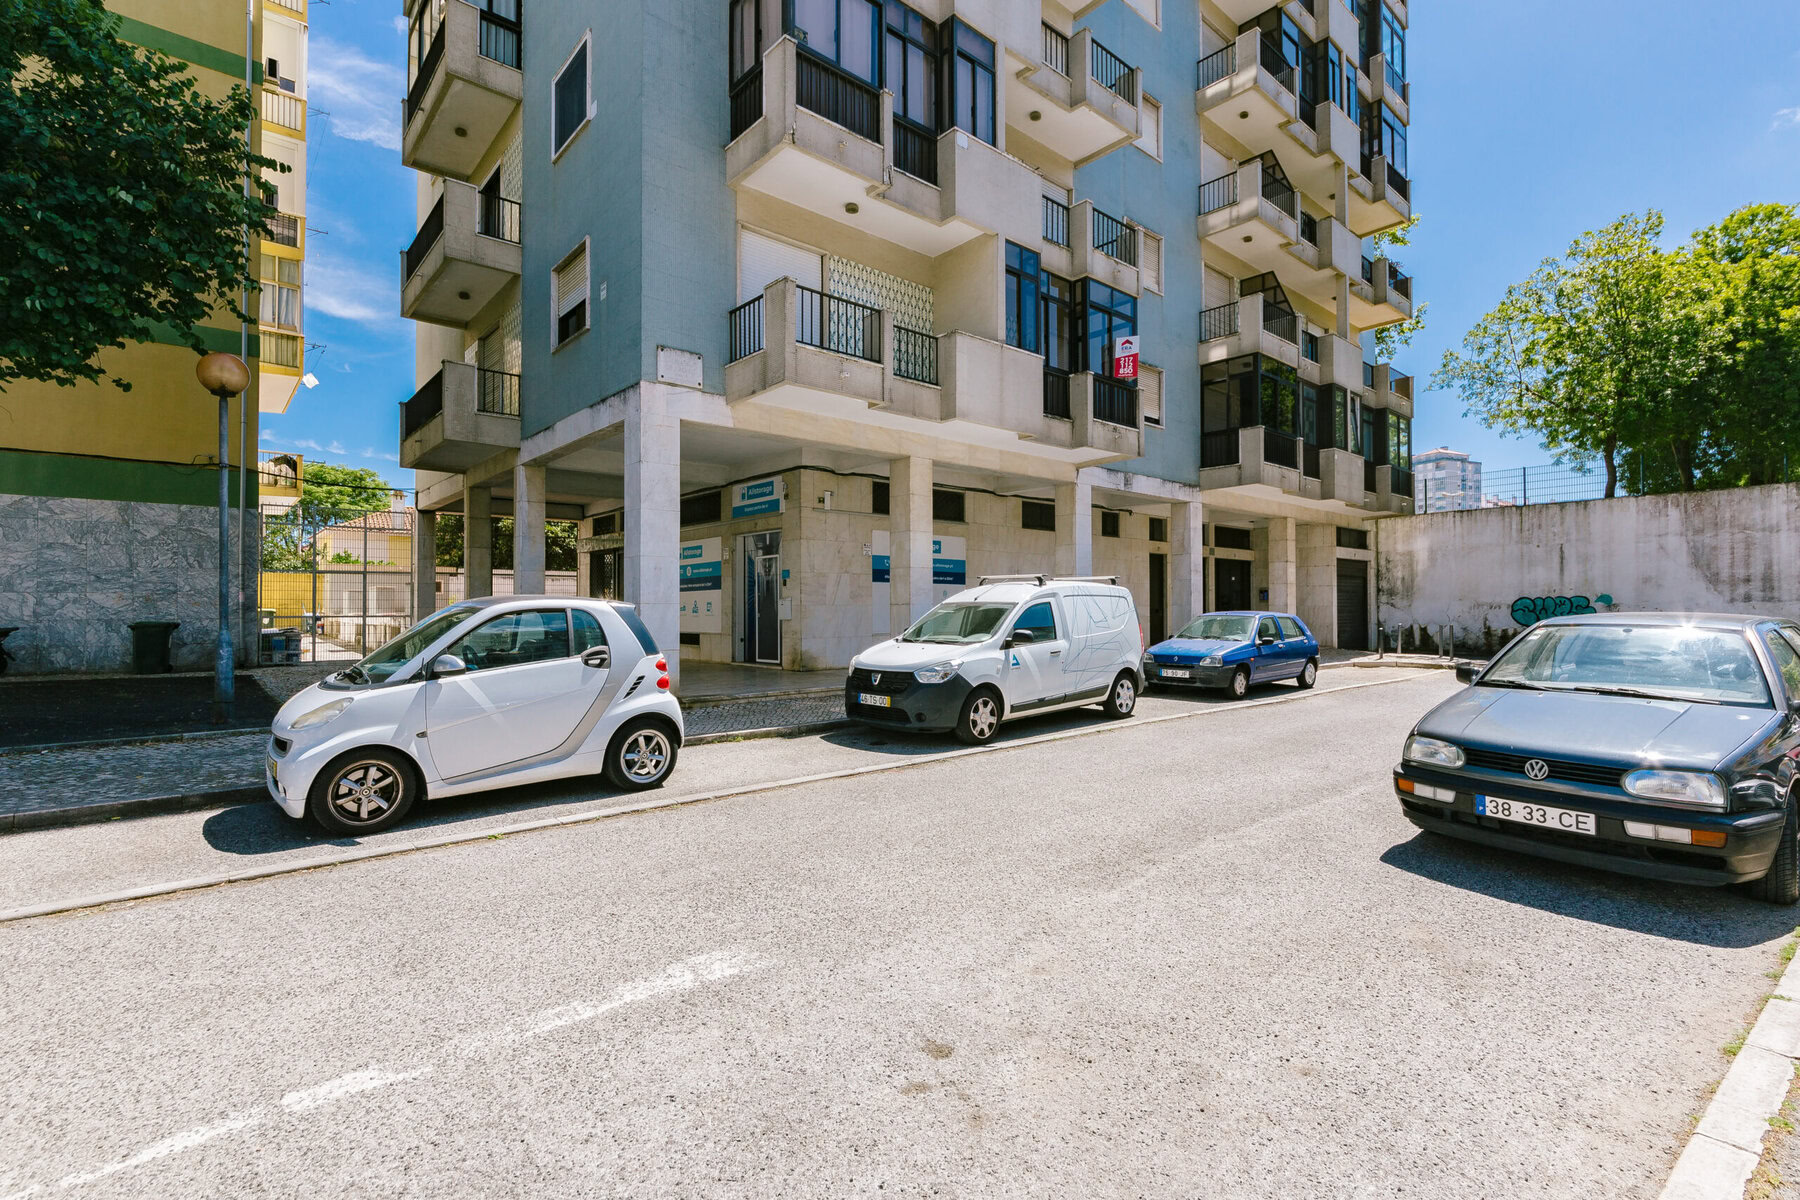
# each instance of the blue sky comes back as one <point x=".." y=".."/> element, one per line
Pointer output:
<point x="1532" y="121"/>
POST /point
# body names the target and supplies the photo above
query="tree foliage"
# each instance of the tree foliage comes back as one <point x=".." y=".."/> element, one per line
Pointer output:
<point x="1679" y="367"/>
<point x="1391" y="339"/>
<point x="559" y="543"/>
<point x="329" y="495"/>
<point x="123" y="189"/>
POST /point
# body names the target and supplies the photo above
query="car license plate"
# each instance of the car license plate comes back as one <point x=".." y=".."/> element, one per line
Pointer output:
<point x="1169" y="673"/>
<point x="1535" y="814"/>
<point x="875" y="701"/>
<point x="272" y="774"/>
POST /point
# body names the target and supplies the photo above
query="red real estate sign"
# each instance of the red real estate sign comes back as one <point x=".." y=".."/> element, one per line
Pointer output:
<point x="1125" y="357"/>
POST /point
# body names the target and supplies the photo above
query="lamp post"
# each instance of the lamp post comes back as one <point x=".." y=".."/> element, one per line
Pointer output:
<point x="225" y="376"/>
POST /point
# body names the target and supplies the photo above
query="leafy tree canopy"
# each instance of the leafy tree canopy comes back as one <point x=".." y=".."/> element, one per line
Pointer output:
<point x="1391" y="339"/>
<point x="329" y="495"/>
<point x="559" y="543"/>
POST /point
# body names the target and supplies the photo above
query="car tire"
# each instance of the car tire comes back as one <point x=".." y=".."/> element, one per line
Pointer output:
<point x="1239" y="687"/>
<point x="1121" y="698"/>
<point x="364" y="791"/>
<point x="1309" y="674"/>
<point x="979" y="720"/>
<point x="642" y="755"/>
<point x="1782" y="884"/>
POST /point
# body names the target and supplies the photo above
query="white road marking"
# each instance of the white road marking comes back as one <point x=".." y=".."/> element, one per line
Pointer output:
<point x="346" y="1085"/>
<point x="185" y="1140"/>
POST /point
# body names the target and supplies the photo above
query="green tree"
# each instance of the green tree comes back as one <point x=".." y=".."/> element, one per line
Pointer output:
<point x="329" y="495"/>
<point x="123" y="189"/>
<point x="1391" y="339"/>
<point x="559" y="543"/>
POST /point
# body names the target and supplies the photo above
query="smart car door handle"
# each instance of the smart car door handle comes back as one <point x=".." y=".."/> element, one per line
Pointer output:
<point x="600" y="658"/>
<point x="1054" y="653"/>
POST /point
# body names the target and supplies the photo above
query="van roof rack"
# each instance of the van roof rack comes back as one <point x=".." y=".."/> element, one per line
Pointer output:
<point x="1041" y="580"/>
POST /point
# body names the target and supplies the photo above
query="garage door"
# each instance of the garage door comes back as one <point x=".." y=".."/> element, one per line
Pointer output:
<point x="1353" y="604"/>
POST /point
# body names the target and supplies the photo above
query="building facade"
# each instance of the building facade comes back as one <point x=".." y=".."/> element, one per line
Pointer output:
<point x="814" y="311"/>
<point x="1446" y="481"/>
<point x="108" y="499"/>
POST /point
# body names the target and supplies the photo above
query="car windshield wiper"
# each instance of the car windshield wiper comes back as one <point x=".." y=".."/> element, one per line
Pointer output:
<point x="1515" y="683"/>
<point x="1641" y="693"/>
<point x="353" y="675"/>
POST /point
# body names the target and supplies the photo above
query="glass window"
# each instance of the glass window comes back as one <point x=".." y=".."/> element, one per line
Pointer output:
<point x="379" y="666"/>
<point x="1022" y="305"/>
<point x="1057" y="328"/>
<point x="958" y="624"/>
<point x="1280" y="399"/>
<point x="516" y="639"/>
<point x="1106" y="315"/>
<point x="947" y="505"/>
<point x="1399" y="442"/>
<point x="1216" y="627"/>
<point x="1309" y="414"/>
<point x="1340" y="418"/>
<point x="911" y="66"/>
<point x="1786" y="653"/>
<point x="1393" y="42"/>
<point x="816" y="21"/>
<point x="1290" y="628"/>
<point x="971" y="79"/>
<point x="1268" y="629"/>
<point x="1109" y="524"/>
<point x="586" y="630"/>
<point x="1679" y="661"/>
<point x="746" y="36"/>
<point x="1035" y="514"/>
<point x="1040" y="619"/>
<point x="571" y="96"/>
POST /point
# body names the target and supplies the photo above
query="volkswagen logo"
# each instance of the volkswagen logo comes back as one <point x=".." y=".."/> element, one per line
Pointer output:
<point x="875" y="681"/>
<point x="1537" y="768"/>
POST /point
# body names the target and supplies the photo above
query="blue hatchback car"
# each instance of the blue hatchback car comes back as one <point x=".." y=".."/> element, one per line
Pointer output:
<point x="1233" y="650"/>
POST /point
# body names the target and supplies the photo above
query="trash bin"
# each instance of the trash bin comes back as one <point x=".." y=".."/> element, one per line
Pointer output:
<point x="150" y="646"/>
<point x="6" y="631"/>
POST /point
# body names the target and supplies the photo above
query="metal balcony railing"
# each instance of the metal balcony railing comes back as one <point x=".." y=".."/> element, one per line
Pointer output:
<point x="1218" y="193"/>
<point x="836" y="324"/>
<point x="1281" y="323"/>
<point x="915" y="149"/>
<point x="1056" y="50"/>
<point x="838" y="96"/>
<point x="1219" y="448"/>
<point x="1056" y="393"/>
<point x="746" y="101"/>
<point x="1370" y="477"/>
<point x="1282" y="449"/>
<point x="1399" y="283"/>
<point x="425" y="404"/>
<point x="1220" y="64"/>
<point x="746" y="328"/>
<point x="430" y="230"/>
<point x="1115" y="402"/>
<point x="1056" y="222"/>
<point x="498" y="217"/>
<point x="497" y="393"/>
<point x="434" y="57"/>
<point x="1397" y="182"/>
<point x="1112" y="73"/>
<point x="1220" y="322"/>
<point x="1114" y="238"/>
<point x="284" y="228"/>
<point x="283" y="108"/>
<point x="1271" y="58"/>
<point x="1403" y="481"/>
<point x="498" y="38"/>
<point x="915" y="355"/>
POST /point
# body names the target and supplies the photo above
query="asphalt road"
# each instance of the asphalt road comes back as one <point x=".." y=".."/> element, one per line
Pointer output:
<point x="1204" y="957"/>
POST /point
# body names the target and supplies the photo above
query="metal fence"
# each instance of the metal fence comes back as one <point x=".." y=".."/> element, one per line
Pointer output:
<point x="333" y="591"/>
<point x="1554" y="483"/>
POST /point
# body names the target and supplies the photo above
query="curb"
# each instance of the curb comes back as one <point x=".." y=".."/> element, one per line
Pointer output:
<point x="115" y="810"/>
<point x="1726" y="1146"/>
<point x="771" y="731"/>
<point x="154" y="739"/>
<point x="728" y="701"/>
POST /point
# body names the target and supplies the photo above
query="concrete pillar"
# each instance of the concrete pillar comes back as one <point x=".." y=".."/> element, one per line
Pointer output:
<point x="1075" y="528"/>
<point x="528" y="530"/>
<point x="653" y="518"/>
<point x="909" y="541"/>
<point x="1187" y="563"/>
<point x="478" y="542"/>
<point x="424" y="564"/>
<point x="1315" y="573"/>
<point x="1280" y="557"/>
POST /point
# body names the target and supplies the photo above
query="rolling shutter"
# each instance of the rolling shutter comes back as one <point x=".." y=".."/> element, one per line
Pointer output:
<point x="763" y="259"/>
<point x="1219" y="288"/>
<point x="1150" y="389"/>
<point x="1150" y="261"/>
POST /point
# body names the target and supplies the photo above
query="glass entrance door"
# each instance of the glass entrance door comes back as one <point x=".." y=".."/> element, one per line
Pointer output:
<point x="762" y="597"/>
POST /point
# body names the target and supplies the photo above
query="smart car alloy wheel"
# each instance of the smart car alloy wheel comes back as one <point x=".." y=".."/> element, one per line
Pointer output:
<point x="364" y="792"/>
<point x="642" y="755"/>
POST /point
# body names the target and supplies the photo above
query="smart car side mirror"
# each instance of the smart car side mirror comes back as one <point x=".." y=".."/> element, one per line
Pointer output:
<point x="446" y="666"/>
<point x="1021" y="637"/>
<point x="1466" y="672"/>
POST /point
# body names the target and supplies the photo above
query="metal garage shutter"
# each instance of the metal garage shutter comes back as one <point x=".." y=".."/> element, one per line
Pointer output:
<point x="1352" y="604"/>
<point x="763" y="259"/>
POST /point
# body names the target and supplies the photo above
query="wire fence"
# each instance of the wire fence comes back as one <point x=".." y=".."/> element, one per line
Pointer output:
<point x="1553" y="483"/>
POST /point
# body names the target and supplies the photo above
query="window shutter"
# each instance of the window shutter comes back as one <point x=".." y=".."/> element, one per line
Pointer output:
<point x="1219" y="288"/>
<point x="763" y="259"/>
<point x="1150" y="141"/>
<point x="572" y="281"/>
<point x="1150" y="388"/>
<point x="1150" y="261"/>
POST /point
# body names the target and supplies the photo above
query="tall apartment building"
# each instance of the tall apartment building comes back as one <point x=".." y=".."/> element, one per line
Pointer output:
<point x="814" y="311"/>
<point x="1446" y="480"/>
<point x="108" y="498"/>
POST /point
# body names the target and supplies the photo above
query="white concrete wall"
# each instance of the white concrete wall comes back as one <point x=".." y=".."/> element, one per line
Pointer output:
<point x="1725" y="551"/>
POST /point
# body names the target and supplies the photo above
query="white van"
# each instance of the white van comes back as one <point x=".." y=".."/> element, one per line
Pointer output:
<point x="1013" y="645"/>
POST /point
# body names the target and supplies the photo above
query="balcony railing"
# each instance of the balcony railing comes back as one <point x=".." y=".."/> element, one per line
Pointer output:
<point x="1219" y="448"/>
<point x="1056" y="393"/>
<point x="746" y="101"/>
<point x="497" y="392"/>
<point x="746" y="326"/>
<point x="1403" y="481"/>
<point x="837" y="95"/>
<point x="1115" y="402"/>
<point x="429" y="232"/>
<point x="915" y="149"/>
<point x="1220" y="64"/>
<point x="1114" y="238"/>
<point x="1370" y="475"/>
<point x="279" y="349"/>
<point x="1309" y="464"/>
<point x="1399" y="283"/>
<point x="293" y="6"/>
<point x="1056" y="50"/>
<point x="1281" y="323"/>
<point x="836" y="324"/>
<point x="1397" y="183"/>
<point x="1368" y="374"/>
<point x="1282" y="449"/>
<point x="284" y="228"/>
<point x="1056" y="222"/>
<point x="1112" y="73"/>
<point x="1368" y="269"/>
<point x="1218" y="193"/>
<point x="498" y="218"/>
<point x="425" y="404"/>
<point x="915" y="355"/>
<point x="1220" y="322"/>
<point x="284" y="109"/>
<point x="434" y="56"/>
<point x="1396" y="82"/>
<point x="498" y="39"/>
<point x="1272" y="60"/>
<point x="1279" y="192"/>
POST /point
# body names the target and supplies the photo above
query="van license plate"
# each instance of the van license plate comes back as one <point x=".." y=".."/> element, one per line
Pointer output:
<point x="1535" y="814"/>
<point x="875" y="701"/>
<point x="1171" y="674"/>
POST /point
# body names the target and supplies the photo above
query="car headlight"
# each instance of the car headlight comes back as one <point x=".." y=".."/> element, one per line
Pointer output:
<point x="1432" y="752"/>
<point x="1698" y="788"/>
<point x="320" y="715"/>
<point x="1212" y="660"/>
<point x="938" y="674"/>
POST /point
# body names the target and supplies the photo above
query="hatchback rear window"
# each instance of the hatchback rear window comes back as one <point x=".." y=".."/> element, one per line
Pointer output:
<point x="636" y="624"/>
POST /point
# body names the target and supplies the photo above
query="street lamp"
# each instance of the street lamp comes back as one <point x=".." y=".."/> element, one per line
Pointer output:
<point x="225" y="376"/>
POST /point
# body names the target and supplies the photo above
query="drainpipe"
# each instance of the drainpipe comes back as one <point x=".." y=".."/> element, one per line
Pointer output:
<point x="251" y="637"/>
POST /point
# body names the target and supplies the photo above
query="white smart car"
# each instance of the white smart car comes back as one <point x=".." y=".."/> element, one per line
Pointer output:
<point x="489" y="693"/>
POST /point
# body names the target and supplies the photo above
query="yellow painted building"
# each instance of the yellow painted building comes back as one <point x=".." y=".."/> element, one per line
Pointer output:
<point x="108" y="498"/>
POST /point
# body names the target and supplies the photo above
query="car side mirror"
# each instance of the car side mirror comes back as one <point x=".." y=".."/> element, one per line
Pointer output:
<point x="1021" y="637"/>
<point x="1466" y="672"/>
<point x="1266" y="641"/>
<point x="447" y="666"/>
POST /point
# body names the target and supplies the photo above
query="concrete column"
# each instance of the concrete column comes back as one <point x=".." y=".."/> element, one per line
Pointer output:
<point x="653" y="518"/>
<point x="1315" y="573"/>
<point x="1187" y="563"/>
<point x="478" y="542"/>
<point x="528" y="530"/>
<point x="909" y="541"/>
<point x="424" y="564"/>
<point x="1280" y="572"/>
<point x="1075" y="528"/>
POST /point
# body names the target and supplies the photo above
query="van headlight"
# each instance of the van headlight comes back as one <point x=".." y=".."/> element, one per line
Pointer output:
<point x="320" y="715"/>
<point x="938" y="674"/>
<point x="1432" y="752"/>
<point x="1699" y="788"/>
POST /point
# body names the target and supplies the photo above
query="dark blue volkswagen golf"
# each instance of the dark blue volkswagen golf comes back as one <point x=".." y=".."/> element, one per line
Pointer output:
<point x="1233" y="650"/>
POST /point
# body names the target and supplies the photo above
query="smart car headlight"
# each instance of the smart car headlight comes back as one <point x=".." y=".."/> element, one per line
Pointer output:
<point x="320" y="715"/>
<point x="1699" y="788"/>
<point x="1432" y="752"/>
<point x="938" y="674"/>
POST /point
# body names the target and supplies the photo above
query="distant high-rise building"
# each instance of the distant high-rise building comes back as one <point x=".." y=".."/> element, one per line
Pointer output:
<point x="1445" y="480"/>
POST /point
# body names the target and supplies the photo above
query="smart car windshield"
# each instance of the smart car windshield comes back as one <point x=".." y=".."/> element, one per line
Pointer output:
<point x="958" y="624"/>
<point x="1674" y="662"/>
<point x="1220" y="627"/>
<point x="379" y="666"/>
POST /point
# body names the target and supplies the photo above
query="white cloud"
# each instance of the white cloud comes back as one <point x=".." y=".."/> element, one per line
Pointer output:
<point x="350" y="289"/>
<point x="361" y="94"/>
<point x="400" y="26"/>
<point x="300" y="443"/>
<point x="267" y="435"/>
<point x="1787" y="118"/>
<point x="373" y="453"/>
<point x="336" y="448"/>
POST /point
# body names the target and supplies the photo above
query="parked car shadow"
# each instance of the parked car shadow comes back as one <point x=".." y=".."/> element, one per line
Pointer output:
<point x="1721" y="917"/>
<point x="912" y="745"/>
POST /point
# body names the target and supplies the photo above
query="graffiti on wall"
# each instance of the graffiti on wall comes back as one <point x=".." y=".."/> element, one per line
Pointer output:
<point x="1529" y="610"/>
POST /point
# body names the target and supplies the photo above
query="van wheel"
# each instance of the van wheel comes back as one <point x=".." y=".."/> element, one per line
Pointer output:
<point x="365" y="791"/>
<point x="980" y="718"/>
<point x="1239" y="687"/>
<point x="1123" y="697"/>
<point x="1309" y="674"/>
<point x="641" y="756"/>
<point x="1782" y="884"/>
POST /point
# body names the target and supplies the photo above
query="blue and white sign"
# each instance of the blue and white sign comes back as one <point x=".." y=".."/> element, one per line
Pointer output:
<point x="703" y="586"/>
<point x="880" y="571"/>
<point x="756" y="498"/>
<point x="949" y="562"/>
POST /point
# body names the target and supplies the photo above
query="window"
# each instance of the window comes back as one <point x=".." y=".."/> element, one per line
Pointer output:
<point x="1109" y="524"/>
<point x="1384" y="134"/>
<point x="1039" y="620"/>
<point x="1309" y="229"/>
<point x="1057" y="327"/>
<point x="1400" y="441"/>
<point x="1106" y="315"/>
<point x="1022" y="273"/>
<point x="1150" y="394"/>
<point x="746" y="37"/>
<point x="1784" y="648"/>
<point x="878" y="497"/>
<point x="847" y="32"/>
<point x="1035" y="514"/>
<point x="515" y="640"/>
<point x="1159" y="529"/>
<point x="946" y="505"/>
<point x="569" y="294"/>
<point x="911" y="68"/>
<point x="702" y="508"/>
<point x="1150" y="260"/>
<point x="1229" y="537"/>
<point x="1309" y="346"/>
<point x="279" y="303"/>
<point x="1150" y="141"/>
<point x="1375" y="435"/>
<point x="969" y="58"/>
<point x="570" y="98"/>
<point x="1352" y="539"/>
<point x="1290" y="628"/>
<point x="587" y="632"/>
<point x="1393" y="43"/>
<point x="499" y="31"/>
<point x="1267" y="628"/>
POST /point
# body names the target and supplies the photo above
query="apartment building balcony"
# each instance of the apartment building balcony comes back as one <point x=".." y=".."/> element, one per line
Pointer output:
<point x="1340" y="362"/>
<point x="460" y="416"/>
<point x="810" y="134"/>
<point x="283" y="110"/>
<point x="1081" y="241"/>
<point x="1381" y="294"/>
<point x="1080" y="100"/>
<point x="1247" y="91"/>
<point x="1257" y="456"/>
<point x="1249" y="325"/>
<point x="1380" y="197"/>
<point x="1389" y="388"/>
<point x="1341" y="476"/>
<point x="466" y="251"/>
<point x="1392" y="491"/>
<point x="466" y="88"/>
<point x="1387" y="86"/>
<point x="1253" y="214"/>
